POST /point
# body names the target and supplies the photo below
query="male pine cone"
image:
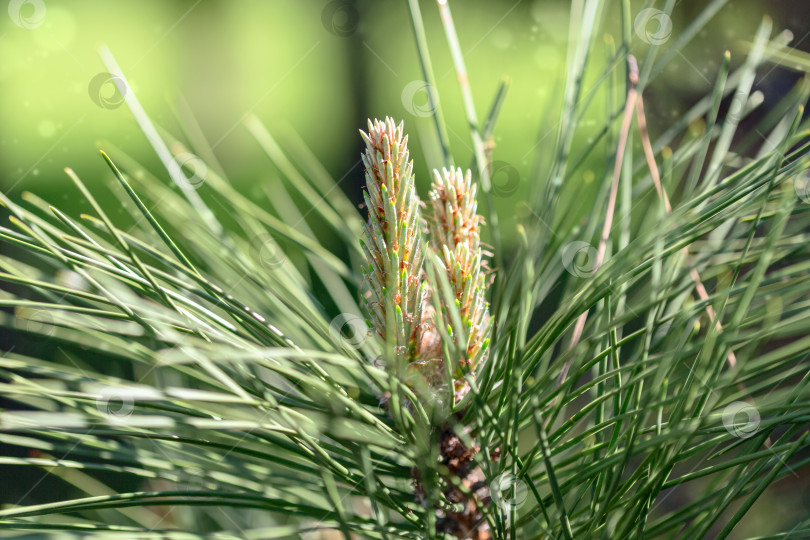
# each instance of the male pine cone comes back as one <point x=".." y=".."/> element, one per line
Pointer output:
<point x="399" y="299"/>
<point x="427" y="335"/>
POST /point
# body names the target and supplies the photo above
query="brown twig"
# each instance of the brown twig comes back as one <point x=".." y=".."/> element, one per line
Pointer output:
<point x="731" y="358"/>
<point x="649" y="154"/>
<point x="632" y="96"/>
<point x="635" y="100"/>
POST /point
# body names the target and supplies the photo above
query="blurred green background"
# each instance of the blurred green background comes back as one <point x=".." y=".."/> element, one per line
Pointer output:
<point x="321" y="68"/>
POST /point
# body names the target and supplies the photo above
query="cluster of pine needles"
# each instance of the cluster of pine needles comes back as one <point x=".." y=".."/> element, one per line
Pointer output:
<point x="212" y="369"/>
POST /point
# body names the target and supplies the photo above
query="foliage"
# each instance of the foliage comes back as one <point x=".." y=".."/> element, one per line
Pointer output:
<point x="247" y="401"/>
